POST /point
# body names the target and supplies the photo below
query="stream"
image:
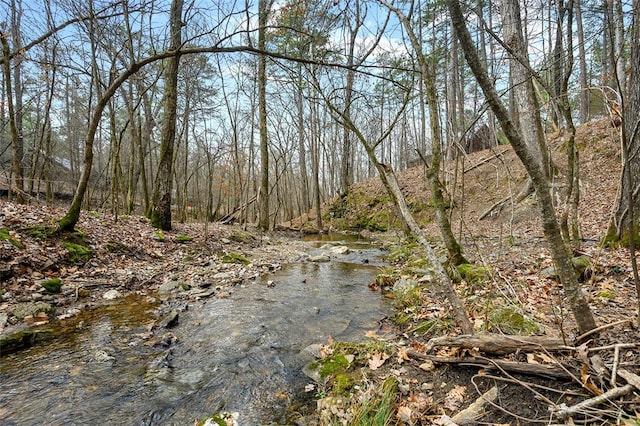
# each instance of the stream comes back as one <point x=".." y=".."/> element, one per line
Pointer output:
<point x="240" y="354"/>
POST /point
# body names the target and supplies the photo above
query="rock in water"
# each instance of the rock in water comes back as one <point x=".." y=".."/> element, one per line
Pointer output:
<point x="112" y="295"/>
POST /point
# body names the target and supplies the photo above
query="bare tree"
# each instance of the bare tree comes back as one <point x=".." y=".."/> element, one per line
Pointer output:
<point x="160" y="213"/>
<point x="14" y="91"/>
<point x="263" y="14"/>
<point x="453" y="247"/>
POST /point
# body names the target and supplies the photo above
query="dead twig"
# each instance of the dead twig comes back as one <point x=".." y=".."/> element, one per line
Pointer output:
<point x="596" y="330"/>
<point x="563" y="411"/>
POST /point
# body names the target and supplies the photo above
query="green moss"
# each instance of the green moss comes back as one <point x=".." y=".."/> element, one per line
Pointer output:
<point x="39" y="232"/>
<point x="235" y="258"/>
<point x="332" y="365"/>
<point x="508" y="321"/>
<point x="182" y="238"/>
<point x="472" y="273"/>
<point x="53" y="285"/>
<point x="158" y="235"/>
<point x="76" y="252"/>
<point x="154" y="218"/>
<point x="6" y="236"/>
<point x="241" y="237"/>
<point x="613" y="240"/>
<point x="23" y="339"/>
<point x="606" y="294"/>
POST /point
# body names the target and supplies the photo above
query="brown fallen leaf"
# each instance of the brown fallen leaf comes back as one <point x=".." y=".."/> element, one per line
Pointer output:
<point x="455" y="397"/>
<point x="377" y="360"/>
<point x="402" y="355"/>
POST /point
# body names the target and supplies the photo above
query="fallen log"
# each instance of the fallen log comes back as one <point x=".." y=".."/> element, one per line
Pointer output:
<point x="500" y="344"/>
<point x="552" y="371"/>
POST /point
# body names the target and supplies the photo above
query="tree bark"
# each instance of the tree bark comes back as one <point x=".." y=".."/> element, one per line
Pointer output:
<point x="13" y="88"/>
<point x="559" y="251"/>
<point x="161" y="201"/>
<point x="263" y="14"/>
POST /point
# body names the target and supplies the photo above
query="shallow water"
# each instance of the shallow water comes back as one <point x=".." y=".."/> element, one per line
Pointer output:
<point x="240" y="354"/>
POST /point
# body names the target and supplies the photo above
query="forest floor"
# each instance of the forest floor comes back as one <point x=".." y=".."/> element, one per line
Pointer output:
<point x="510" y="292"/>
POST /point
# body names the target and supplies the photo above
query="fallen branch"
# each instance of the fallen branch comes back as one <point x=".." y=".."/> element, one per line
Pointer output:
<point x="563" y="412"/>
<point x="632" y="379"/>
<point x="486" y="160"/>
<point x="476" y="410"/>
<point x="499" y="344"/>
<point x="553" y="371"/>
<point x="582" y="337"/>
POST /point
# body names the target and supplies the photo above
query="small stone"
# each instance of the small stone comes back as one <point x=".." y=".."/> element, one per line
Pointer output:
<point x="170" y="320"/>
<point x="404" y="285"/>
<point x="102" y="356"/>
<point x="22" y="310"/>
<point x="319" y="259"/>
<point x="168" y="286"/>
<point x="340" y="250"/>
<point x="112" y="295"/>
<point x="224" y="276"/>
<point x="427" y="386"/>
<point x="427" y="366"/>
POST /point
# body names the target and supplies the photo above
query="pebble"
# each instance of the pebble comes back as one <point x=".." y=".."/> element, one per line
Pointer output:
<point x="111" y="295"/>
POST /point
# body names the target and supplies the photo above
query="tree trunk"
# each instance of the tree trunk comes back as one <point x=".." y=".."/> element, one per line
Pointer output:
<point x="559" y="251"/>
<point x="13" y="88"/>
<point x="453" y="248"/>
<point x="527" y="101"/>
<point x="582" y="61"/>
<point x="161" y="201"/>
<point x="263" y="14"/>
<point x="623" y="226"/>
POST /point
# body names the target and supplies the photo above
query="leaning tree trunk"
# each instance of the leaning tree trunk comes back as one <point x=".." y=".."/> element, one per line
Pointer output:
<point x="161" y="201"/>
<point x="443" y="284"/>
<point x="559" y="251"/>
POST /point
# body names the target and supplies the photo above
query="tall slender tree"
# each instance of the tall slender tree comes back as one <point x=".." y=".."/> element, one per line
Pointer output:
<point x="264" y="216"/>
<point x="160" y="213"/>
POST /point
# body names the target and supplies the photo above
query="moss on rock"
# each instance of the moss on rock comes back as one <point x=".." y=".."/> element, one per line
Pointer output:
<point x="53" y="285"/>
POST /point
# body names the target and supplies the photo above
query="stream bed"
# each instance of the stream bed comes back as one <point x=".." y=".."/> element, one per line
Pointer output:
<point x="241" y="354"/>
